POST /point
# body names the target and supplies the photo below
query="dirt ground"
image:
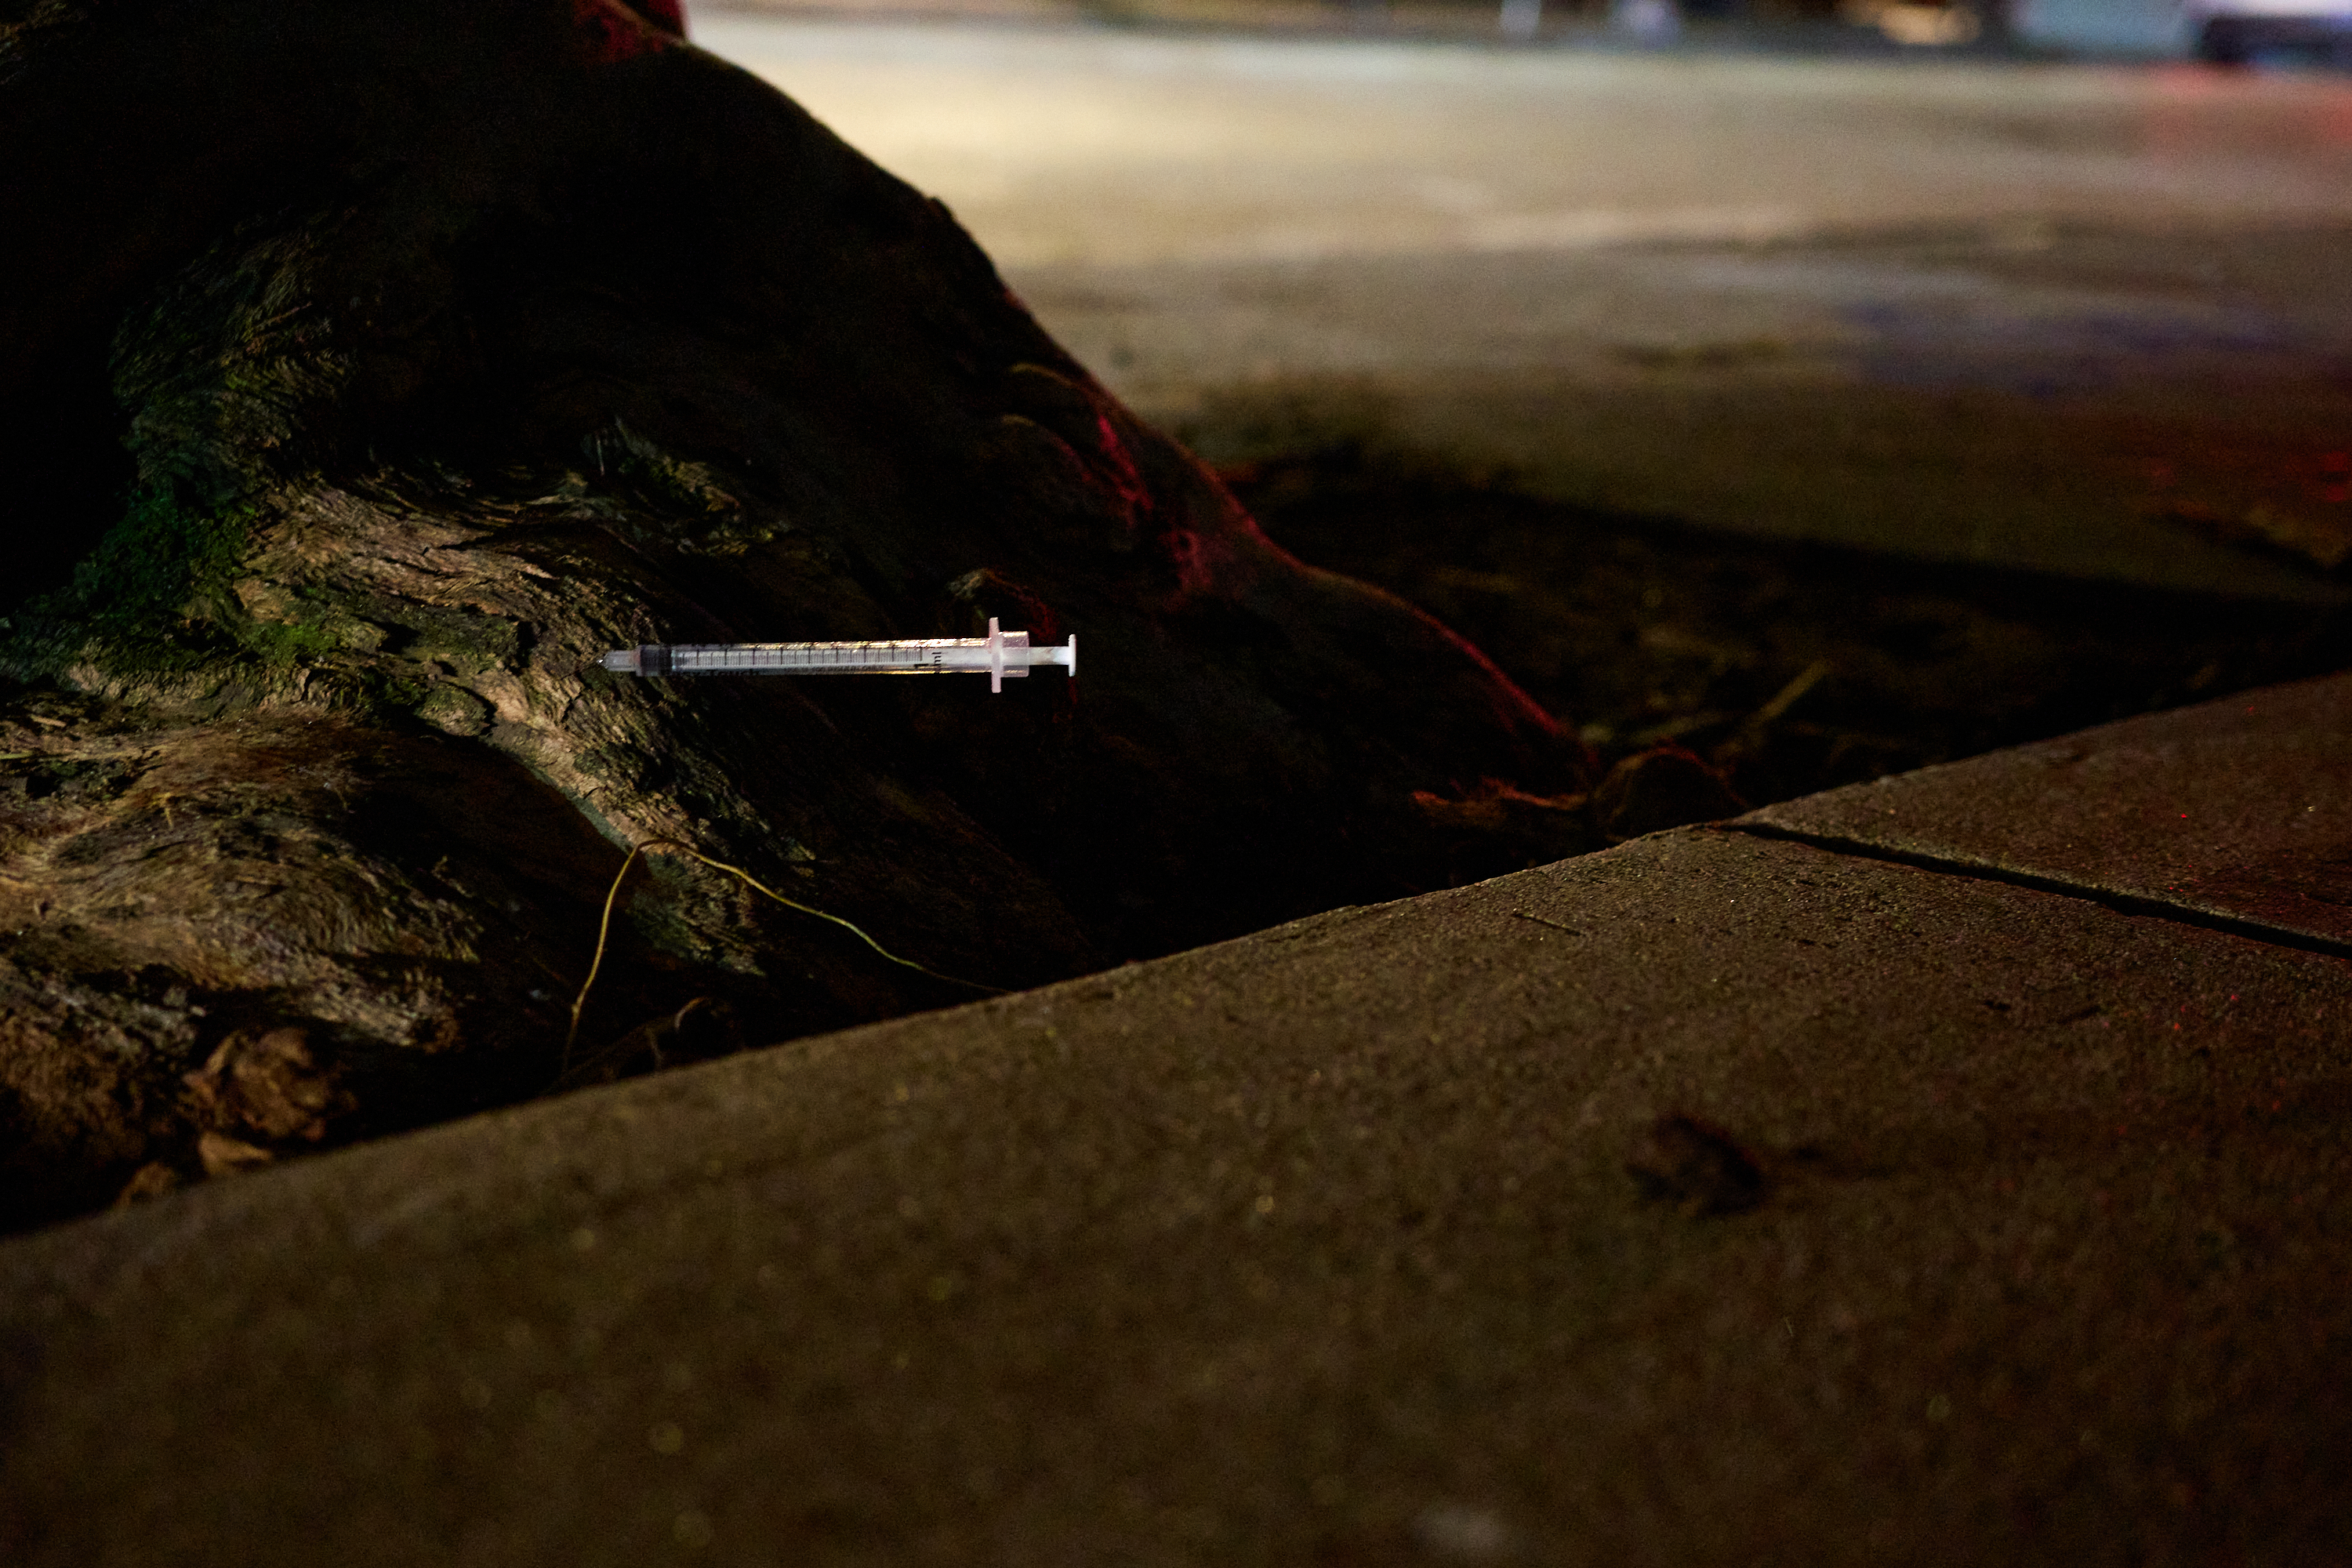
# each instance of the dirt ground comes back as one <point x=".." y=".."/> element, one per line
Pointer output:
<point x="1792" y="666"/>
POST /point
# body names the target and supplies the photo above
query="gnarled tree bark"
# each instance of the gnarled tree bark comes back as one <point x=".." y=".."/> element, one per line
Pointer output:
<point x="452" y="344"/>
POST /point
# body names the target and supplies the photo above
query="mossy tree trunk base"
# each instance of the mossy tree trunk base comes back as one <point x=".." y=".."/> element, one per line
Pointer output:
<point x="455" y="345"/>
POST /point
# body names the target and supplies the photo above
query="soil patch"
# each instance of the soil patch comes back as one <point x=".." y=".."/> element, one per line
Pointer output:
<point x="1790" y="668"/>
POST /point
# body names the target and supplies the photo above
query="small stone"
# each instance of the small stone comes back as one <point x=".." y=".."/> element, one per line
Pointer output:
<point x="1666" y="786"/>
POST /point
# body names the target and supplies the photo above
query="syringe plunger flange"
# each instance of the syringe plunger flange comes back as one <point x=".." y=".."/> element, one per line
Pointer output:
<point x="998" y="655"/>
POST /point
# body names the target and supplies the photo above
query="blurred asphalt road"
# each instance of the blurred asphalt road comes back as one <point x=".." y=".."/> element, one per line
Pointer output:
<point x="1102" y="148"/>
<point x="2090" y="319"/>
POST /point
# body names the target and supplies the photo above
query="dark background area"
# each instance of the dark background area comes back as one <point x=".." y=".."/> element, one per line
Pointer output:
<point x="1792" y="667"/>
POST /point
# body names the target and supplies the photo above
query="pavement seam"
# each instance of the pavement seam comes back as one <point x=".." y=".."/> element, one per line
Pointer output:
<point x="2122" y="903"/>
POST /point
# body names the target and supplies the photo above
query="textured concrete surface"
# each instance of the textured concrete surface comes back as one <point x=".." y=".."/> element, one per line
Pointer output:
<point x="2239" y="810"/>
<point x="1315" y="1246"/>
<point x="2087" y="320"/>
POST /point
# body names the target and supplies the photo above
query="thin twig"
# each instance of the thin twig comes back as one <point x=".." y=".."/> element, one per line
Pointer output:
<point x="604" y="927"/>
<point x="1786" y="697"/>
<point x="1539" y="920"/>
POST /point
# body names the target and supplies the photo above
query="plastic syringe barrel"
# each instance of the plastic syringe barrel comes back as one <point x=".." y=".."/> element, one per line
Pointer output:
<point x="998" y="655"/>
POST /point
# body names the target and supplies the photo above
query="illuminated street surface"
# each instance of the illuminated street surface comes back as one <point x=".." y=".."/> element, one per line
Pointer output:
<point x="2031" y="314"/>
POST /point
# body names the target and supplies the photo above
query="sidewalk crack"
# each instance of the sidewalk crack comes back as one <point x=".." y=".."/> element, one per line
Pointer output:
<point x="2122" y="903"/>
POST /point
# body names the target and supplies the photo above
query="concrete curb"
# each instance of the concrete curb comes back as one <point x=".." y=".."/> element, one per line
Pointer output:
<point x="1985" y="1223"/>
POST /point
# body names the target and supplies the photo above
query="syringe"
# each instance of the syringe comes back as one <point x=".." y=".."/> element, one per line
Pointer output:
<point x="996" y="656"/>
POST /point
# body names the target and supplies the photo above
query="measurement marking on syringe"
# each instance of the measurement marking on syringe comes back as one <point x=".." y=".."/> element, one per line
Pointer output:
<point x="998" y="655"/>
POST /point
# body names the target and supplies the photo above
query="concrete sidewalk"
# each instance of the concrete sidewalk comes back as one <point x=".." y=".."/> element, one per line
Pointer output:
<point x="2005" y="1221"/>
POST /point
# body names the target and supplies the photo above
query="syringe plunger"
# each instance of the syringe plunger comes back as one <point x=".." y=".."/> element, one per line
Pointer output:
<point x="998" y="655"/>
